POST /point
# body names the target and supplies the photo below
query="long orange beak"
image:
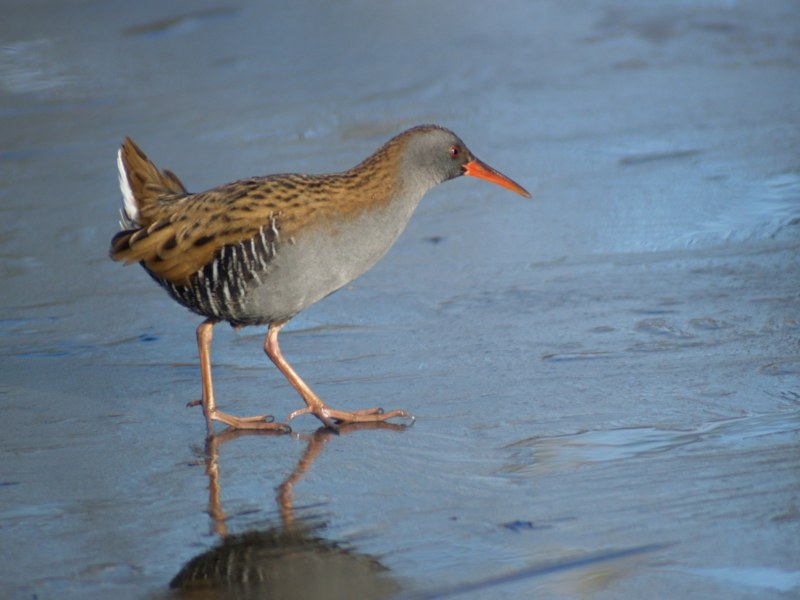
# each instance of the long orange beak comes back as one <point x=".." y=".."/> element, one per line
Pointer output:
<point x="479" y="169"/>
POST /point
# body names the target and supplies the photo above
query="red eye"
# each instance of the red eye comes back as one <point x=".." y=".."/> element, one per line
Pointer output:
<point x="454" y="151"/>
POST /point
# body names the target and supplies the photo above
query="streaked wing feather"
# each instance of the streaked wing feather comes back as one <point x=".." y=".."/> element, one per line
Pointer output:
<point x="185" y="233"/>
<point x="182" y="232"/>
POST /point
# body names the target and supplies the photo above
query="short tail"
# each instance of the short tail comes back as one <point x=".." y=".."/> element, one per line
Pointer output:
<point x="142" y="185"/>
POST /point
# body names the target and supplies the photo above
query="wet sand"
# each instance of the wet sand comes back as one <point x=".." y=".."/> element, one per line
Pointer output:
<point x="606" y="379"/>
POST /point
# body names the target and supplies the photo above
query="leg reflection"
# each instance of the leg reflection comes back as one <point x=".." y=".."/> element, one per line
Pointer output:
<point x="289" y="559"/>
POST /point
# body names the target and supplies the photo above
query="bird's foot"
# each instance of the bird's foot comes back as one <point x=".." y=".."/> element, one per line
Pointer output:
<point x="332" y="417"/>
<point x="262" y="422"/>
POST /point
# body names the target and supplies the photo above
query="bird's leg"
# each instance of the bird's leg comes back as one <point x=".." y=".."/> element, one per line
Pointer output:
<point x="204" y="334"/>
<point x="314" y="405"/>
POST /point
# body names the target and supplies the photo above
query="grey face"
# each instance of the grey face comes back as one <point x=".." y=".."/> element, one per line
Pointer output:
<point x="435" y="155"/>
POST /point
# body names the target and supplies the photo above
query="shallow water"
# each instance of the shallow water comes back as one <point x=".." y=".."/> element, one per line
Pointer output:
<point x="606" y="379"/>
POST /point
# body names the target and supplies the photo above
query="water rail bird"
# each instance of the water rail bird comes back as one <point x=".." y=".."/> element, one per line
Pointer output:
<point x="257" y="251"/>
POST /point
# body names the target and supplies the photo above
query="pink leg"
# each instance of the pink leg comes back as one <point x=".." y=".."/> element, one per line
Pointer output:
<point x="204" y="334"/>
<point x="314" y="405"/>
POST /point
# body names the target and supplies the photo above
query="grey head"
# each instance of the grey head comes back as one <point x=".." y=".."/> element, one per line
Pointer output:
<point x="433" y="154"/>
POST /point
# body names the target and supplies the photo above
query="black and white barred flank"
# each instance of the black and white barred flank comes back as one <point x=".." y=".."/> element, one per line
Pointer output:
<point x="218" y="289"/>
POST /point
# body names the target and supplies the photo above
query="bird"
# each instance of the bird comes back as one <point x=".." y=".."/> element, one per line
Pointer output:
<point x="257" y="251"/>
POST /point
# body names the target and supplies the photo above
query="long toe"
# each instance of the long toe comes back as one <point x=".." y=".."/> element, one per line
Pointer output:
<point x="260" y="422"/>
<point x="332" y="417"/>
<point x="322" y="413"/>
<point x="368" y="411"/>
<point x="370" y="415"/>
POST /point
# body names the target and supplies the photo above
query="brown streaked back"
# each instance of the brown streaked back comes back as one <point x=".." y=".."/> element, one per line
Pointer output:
<point x="180" y="233"/>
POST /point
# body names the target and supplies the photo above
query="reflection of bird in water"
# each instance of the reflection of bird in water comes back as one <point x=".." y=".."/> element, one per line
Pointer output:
<point x="290" y="560"/>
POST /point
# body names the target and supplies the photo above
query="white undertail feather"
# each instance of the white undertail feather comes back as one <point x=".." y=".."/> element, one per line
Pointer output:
<point x="129" y="215"/>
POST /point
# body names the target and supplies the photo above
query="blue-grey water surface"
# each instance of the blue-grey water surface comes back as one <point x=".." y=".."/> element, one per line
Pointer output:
<point x="606" y="379"/>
